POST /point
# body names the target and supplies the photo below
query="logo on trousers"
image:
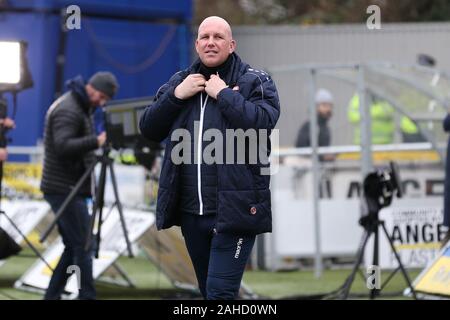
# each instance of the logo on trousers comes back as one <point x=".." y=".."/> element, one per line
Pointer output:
<point x="238" y="248"/>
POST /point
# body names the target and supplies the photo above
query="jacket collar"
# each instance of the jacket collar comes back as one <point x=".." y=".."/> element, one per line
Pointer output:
<point x="77" y="86"/>
<point x="229" y="71"/>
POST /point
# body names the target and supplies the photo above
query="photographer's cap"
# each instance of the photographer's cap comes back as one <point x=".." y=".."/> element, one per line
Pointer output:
<point x="105" y="82"/>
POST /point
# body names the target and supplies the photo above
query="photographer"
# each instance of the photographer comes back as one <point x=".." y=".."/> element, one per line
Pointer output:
<point x="5" y="124"/>
<point x="69" y="142"/>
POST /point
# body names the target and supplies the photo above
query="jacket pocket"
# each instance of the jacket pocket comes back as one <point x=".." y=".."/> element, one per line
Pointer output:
<point x="244" y="212"/>
<point x="260" y="180"/>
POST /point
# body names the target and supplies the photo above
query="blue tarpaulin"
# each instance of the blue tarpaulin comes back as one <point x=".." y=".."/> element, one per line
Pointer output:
<point x="142" y="42"/>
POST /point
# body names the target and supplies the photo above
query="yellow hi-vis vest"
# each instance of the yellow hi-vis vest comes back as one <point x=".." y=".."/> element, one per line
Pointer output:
<point x="382" y="116"/>
<point x="407" y="126"/>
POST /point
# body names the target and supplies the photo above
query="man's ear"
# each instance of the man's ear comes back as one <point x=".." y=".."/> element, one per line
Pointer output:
<point x="232" y="46"/>
<point x="196" y="45"/>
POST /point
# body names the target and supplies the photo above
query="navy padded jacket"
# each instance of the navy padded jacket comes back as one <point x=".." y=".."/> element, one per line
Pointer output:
<point x="243" y="195"/>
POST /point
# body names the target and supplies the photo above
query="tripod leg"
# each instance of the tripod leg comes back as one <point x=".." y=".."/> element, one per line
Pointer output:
<point x="123" y="274"/>
<point x="26" y="240"/>
<point x="374" y="292"/>
<point x="110" y="211"/>
<point x="400" y="264"/>
<point x="98" y="206"/>
<point x="348" y="283"/>
<point x="91" y="224"/>
<point x="66" y="202"/>
<point x="119" y="208"/>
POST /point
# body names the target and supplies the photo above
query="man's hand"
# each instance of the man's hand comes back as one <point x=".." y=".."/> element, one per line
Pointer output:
<point x="101" y="139"/>
<point x="193" y="84"/>
<point x="3" y="154"/>
<point x="214" y="85"/>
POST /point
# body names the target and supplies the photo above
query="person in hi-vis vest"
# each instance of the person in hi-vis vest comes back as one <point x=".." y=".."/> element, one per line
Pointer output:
<point x="382" y="117"/>
<point x="383" y="123"/>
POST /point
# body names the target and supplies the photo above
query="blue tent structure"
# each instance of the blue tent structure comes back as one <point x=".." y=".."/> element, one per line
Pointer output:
<point x="142" y="42"/>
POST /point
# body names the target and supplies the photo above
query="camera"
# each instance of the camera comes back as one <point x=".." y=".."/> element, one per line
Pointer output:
<point x="380" y="187"/>
<point x="122" y="129"/>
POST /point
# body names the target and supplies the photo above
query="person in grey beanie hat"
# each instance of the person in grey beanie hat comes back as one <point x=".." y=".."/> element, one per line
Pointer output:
<point x="323" y="96"/>
<point x="105" y="82"/>
<point x="324" y="104"/>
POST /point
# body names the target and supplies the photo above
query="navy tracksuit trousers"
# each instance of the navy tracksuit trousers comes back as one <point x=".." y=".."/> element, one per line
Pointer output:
<point x="73" y="226"/>
<point x="219" y="259"/>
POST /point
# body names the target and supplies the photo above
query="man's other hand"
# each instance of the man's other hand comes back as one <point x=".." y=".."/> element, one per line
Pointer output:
<point x="193" y="84"/>
<point x="214" y="85"/>
<point x="101" y="139"/>
<point x="3" y="154"/>
<point x="8" y="123"/>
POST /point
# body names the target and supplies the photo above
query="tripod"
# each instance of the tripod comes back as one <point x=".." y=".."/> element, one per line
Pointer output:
<point x="106" y="162"/>
<point x="3" y="143"/>
<point x="371" y="224"/>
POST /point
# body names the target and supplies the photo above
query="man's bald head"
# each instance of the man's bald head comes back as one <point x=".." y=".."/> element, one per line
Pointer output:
<point x="218" y="22"/>
<point x="214" y="41"/>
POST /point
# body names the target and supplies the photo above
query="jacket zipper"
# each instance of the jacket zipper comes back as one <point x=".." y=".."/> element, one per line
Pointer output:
<point x="199" y="152"/>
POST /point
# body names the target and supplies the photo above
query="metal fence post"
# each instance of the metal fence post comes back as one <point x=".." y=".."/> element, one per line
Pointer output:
<point x="318" y="265"/>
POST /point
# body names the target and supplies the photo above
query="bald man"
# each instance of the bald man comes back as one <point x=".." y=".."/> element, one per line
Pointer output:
<point x="220" y="205"/>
